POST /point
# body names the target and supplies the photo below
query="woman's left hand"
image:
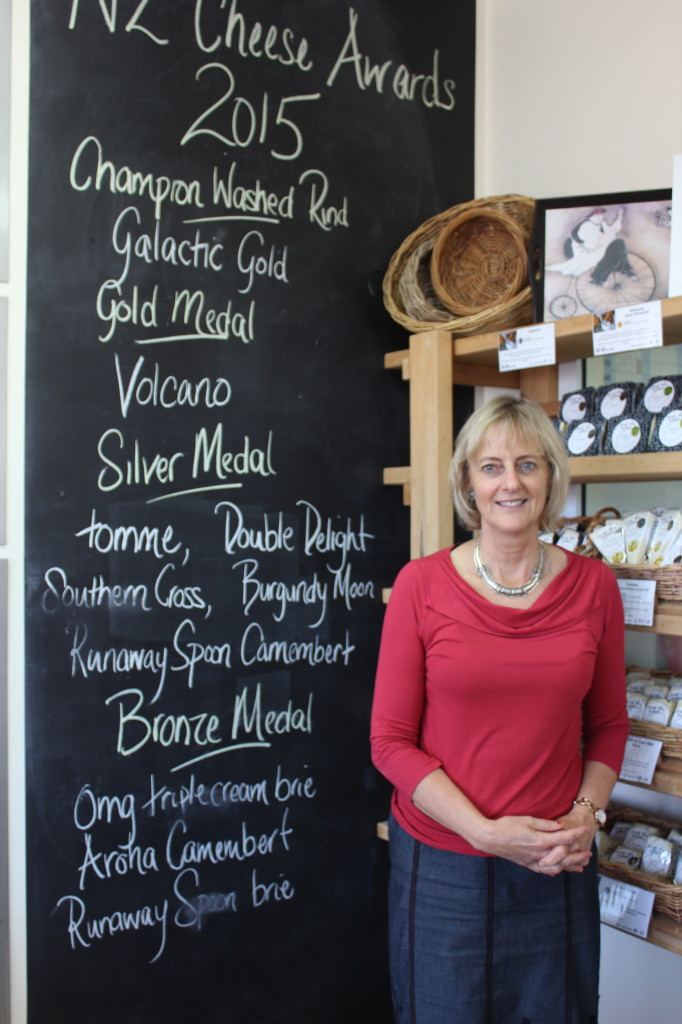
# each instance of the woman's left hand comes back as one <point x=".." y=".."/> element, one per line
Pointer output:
<point x="576" y="856"/>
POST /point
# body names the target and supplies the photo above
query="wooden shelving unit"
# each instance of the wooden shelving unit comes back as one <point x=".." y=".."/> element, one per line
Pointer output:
<point x="436" y="361"/>
<point x="638" y="468"/>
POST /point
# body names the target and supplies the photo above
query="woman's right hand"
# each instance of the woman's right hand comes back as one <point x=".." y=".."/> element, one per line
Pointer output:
<point x="527" y="840"/>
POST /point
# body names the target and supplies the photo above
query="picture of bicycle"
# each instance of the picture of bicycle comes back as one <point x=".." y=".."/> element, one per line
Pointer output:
<point x="619" y="288"/>
<point x="593" y="258"/>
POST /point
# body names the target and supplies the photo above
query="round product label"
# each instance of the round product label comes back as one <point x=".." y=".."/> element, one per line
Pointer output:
<point x="574" y="408"/>
<point x="659" y="395"/>
<point x="670" y="430"/>
<point x="626" y="436"/>
<point x="582" y="438"/>
<point x="614" y="403"/>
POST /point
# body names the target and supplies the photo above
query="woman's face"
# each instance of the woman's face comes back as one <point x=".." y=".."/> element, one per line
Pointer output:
<point x="510" y="478"/>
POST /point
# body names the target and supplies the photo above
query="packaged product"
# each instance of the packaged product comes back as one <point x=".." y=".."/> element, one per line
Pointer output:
<point x="605" y="844"/>
<point x="609" y="540"/>
<point x="666" y="529"/>
<point x="637" y="527"/>
<point x="638" y="679"/>
<point x="570" y="537"/>
<point x="658" y="858"/>
<point x="636" y="704"/>
<point x="676" y="720"/>
<point x="675" y="685"/>
<point x="658" y="711"/>
<point x="662" y="392"/>
<point x="673" y="553"/>
<point x="616" y="399"/>
<point x="584" y="438"/>
<point x="626" y="857"/>
<point x="667" y="433"/>
<point x="637" y="835"/>
<point x="627" y="434"/>
<point x="577" y="405"/>
<point x="657" y="688"/>
<point x="619" y="831"/>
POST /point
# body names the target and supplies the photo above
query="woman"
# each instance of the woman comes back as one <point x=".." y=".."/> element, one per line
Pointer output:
<point x="498" y="659"/>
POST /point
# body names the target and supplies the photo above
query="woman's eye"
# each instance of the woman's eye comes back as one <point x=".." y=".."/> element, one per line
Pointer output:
<point x="528" y="467"/>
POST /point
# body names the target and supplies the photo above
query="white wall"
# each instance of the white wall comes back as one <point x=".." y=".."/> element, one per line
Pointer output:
<point x="579" y="98"/>
<point x="15" y="291"/>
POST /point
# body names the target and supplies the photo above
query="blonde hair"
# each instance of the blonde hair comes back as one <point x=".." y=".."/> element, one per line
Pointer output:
<point x="522" y="418"/>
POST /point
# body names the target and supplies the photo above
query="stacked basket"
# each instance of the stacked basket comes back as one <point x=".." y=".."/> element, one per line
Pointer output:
<point x="465" y="270"/>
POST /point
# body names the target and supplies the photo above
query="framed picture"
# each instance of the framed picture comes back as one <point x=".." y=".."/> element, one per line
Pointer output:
<point x="593" y="253"/>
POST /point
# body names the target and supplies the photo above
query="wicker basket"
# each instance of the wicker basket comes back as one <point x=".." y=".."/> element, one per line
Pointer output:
<point x="479" y="260"/>
<point x="409" y="294"/>
<point x="668" y="897"/>
<point x="416" y="289"/>
<point x="670" y="738"/>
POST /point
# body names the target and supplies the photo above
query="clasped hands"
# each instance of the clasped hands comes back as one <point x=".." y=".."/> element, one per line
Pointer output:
<point x="543" y="846"/>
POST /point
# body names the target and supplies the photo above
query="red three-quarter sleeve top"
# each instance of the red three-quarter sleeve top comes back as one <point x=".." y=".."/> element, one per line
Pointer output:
<point x="499" y="697"/>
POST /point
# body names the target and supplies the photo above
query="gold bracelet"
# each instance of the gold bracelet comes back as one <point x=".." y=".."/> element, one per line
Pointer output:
<point x="599" y="814"/>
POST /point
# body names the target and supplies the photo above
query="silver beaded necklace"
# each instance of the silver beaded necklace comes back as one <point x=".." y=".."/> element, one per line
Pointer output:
<point x="499" y="588"/>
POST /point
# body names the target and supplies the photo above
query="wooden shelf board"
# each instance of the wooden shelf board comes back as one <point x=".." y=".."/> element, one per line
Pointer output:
<point x="590" y="469"/>
<point x="666" y="933"/>
<point x="645" y="466"/>
<point x="573" y="337"/>
<point x="397" y="475"/>
<point x="663" y="932"/>
<point x="667" y="620"/>
<point x="664" y="781"/>
<point x="395" y="360"/>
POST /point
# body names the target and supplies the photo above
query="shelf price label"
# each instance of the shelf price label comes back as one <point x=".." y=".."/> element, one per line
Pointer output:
<point x="526" y="347"/>
<point x="638" y="598"/>
<point x="640" y="760"/>
<point x="625" y="906"/>
<point x="627" y="328"/>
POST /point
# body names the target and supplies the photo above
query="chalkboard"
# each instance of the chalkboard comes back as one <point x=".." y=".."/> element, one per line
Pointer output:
<point x="215" y="190"/>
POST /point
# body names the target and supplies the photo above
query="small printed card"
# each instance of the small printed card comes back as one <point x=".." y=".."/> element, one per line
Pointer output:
<point x="526" y="346"/>
<point x="625" y="906"/>
<point x="627" y="328"/>
<point x="641" y="758"/>
<point x="638" y="601"/>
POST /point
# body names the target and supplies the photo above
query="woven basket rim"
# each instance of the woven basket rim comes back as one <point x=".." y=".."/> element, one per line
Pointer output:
<point x="641" y="567"/>
<point x="496" y="317"/>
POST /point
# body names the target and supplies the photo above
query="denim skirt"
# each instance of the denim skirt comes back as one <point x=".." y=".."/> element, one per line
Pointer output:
<point x="479" y="940"/>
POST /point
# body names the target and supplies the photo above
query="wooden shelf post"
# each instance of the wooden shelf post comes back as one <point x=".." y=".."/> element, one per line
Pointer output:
<point x="431" y="442"/>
